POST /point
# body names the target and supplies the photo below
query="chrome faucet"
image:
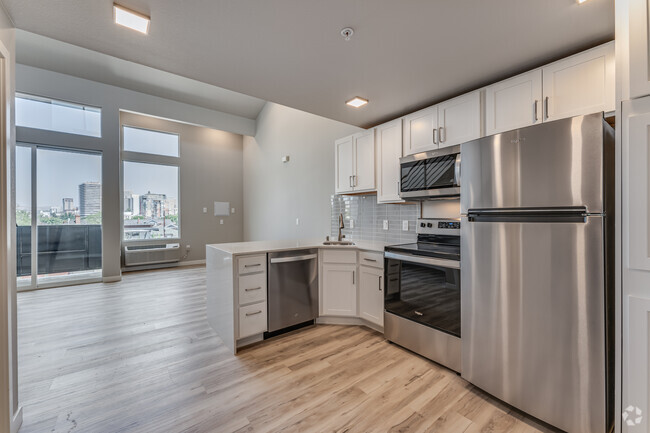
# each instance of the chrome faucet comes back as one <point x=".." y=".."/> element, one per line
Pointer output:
<point x="341" y="227"/>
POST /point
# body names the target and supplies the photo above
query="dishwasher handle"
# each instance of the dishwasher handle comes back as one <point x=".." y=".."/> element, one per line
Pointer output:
<point x="294" y="258"/>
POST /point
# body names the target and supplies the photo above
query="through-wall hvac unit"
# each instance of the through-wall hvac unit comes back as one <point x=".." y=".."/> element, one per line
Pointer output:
<point x="138" y="255"/>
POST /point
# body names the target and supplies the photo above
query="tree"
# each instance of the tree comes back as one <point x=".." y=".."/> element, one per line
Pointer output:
<point x="94" y="218"/>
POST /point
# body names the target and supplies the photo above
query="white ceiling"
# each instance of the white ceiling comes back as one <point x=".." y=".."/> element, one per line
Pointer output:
<point x="404" y="54"/>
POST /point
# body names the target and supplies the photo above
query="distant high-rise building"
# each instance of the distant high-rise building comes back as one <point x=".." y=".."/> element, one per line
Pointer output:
<point x="171" y="207"/>
<point x="90" y="198"/>
<point x="152" y="205"/>
<point x="68" y="205"/>
<point x="128" y="201"/>
<point x="135" y="204"/>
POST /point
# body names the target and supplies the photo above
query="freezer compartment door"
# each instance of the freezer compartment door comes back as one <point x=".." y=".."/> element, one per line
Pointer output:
<point x="556" y="164"/>
<point x="533" y="317"/>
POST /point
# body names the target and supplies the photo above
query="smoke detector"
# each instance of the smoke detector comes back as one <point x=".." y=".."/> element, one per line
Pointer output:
<point x="347" y="33"/>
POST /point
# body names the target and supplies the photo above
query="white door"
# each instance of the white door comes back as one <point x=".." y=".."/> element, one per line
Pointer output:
<point x="514" y="103"/>
<point x="371" y="294"/>
<point x="389" y="151"/>
<point x="421" y="131"/>
<point x="459" y="119"/>
<point x="580" y="84"/>
<point x="344" y="164"/>
<point x="639" y="56"/>
<point x="636" y="263"/>
<point x="363" y="178"/>
<point x="339" y="290"/>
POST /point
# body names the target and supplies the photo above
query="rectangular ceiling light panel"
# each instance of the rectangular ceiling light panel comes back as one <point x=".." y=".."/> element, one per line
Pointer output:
<point x="131" y="19"/>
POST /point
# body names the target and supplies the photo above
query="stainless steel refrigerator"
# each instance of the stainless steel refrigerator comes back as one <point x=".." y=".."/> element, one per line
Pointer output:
<point x="537" y="246"/>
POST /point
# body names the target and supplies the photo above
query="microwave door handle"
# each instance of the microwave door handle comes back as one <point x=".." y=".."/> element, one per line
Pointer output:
<point x="457" y="170"/>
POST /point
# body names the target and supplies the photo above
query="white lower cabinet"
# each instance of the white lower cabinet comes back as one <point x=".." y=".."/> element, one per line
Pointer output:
<point x="252" y="320"/>
<point x="339" y="290"/>
<point x="371" y="294"/>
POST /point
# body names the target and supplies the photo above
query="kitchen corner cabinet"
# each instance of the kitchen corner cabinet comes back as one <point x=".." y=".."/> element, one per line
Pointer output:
<point x="371" y="294"/>
<point x="446" y="124"/>
<point x="355" y="163"/>
<point x="339" y="290"/>
<point x="639" y="46"/>
<point x="388" y="138"/>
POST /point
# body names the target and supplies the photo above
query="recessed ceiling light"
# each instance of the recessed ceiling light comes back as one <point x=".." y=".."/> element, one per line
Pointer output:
<point x="131" y="19"/>
<point x="581" y="1"/>
<point x="357" y="102"/>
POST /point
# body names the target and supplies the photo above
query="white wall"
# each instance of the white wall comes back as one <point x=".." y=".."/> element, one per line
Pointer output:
<point x="10" y="412"/>
<point x="111" y="100"/>
<point x="277" y="193"/>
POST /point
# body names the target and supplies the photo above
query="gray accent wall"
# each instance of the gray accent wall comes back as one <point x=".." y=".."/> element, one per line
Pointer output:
<point x="369" y="217"/>
<point x="276" y="193"/>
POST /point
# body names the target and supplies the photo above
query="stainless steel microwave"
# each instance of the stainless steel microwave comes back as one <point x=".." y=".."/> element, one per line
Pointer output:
<point x="431" y="175"/>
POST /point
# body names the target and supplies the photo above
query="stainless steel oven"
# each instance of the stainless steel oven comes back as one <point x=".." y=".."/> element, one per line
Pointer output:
<point x="430" y="175"/>
<point x="422" y="294"/>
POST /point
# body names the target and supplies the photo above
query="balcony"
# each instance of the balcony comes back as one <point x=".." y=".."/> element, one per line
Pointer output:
<point x="61" y="249"/>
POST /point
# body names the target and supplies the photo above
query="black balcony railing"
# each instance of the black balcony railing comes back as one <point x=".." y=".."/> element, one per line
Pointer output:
<point x="61" y="248"/>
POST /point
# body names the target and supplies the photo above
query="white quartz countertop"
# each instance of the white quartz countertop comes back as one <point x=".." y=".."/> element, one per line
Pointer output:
<point x="239" y="248"/>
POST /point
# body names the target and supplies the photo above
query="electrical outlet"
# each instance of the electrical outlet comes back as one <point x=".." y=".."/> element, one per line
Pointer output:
<point x="297" y="221"/>
<point x="385" y="224"/>
<point x="405" y="225"/>
<point x="351" y="223"/>
<point x="220" y="221"/>
<point x="205" y="210"/>
<point x="232" y="210"/>
<point x="187" y="247"/>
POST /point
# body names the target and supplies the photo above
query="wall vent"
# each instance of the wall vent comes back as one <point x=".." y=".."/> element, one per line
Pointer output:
<point x="138" y="255"/>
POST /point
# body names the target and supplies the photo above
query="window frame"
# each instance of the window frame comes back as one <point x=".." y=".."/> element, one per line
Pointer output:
<point x="62" y="102"/>
<point x="153" y="159"/>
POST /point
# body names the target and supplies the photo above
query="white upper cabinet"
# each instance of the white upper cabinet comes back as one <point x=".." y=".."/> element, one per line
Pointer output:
<point x="344" y="164"/>
<point x="355" y="163"/>
<point x="639" y="48"/>
<point x="364" y="161"/>
<point x="389" y="150"/>
<point x="514" y="103"/>
<point x="459" y="119"/>
<point x="421" y="131"/>
<point x="580" y="84"/>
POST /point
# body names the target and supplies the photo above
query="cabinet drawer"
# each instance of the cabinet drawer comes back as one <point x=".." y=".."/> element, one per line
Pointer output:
<point x="373" y="259"/>
<point x="339" y="256"/>
<point x="252" y="288"/>
<point x="248" y="264"/>
<point x="252" y="319"/>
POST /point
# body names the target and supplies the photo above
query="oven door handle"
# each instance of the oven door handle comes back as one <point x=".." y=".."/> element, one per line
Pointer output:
<point x="452" y="264"/>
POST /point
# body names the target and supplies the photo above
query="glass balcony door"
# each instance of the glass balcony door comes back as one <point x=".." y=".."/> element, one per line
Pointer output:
<point x="63" y="188"/>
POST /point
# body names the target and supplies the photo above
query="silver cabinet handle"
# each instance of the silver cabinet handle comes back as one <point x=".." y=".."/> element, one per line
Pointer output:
<point x="380" y="283"/>
<point x="254" y="313"/>
<point x="350" y="181"/>
<point x="353" y="272"/>
<point x="251" y="289"/>
<point x="442" y="133"/>
<point x="546" y="107"/>
<point x="435" y="135"/>
<point x="252" y="266"/>
<point x="535" y="110"/>
<point x="354" y="180"/>
<point x="369" y="260"/>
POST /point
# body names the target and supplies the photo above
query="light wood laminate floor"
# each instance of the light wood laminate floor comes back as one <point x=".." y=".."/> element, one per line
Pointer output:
<point x="139" y="356"/>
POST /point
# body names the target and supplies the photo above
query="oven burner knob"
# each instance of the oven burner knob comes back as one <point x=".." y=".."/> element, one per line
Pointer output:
<point x="429" y="225"/>
<point x="423" y="225"/>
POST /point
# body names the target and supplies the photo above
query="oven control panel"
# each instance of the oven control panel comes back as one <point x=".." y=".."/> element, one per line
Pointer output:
<point x="437" y="226"/>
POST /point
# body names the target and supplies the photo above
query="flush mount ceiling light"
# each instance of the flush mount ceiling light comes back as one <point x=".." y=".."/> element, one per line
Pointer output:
<point x="131" y="19"/>
<point x="582" y="1"/>
<point x="357" y="102"/>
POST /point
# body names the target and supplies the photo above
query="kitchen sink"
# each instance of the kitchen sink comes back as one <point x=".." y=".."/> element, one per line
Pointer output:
<point x="342" y="243"/>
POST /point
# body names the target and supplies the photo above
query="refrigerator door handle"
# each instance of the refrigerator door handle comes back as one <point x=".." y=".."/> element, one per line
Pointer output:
<point x="528" y="217"/>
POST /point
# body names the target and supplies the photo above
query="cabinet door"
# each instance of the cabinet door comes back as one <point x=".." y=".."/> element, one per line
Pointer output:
<point x="389" y="151"/>
<point x="339" y="290"/>
<point x="421" y="131"/>
<point x="514" y="103"/>
<point x="363" y="177"/>
<point x="371" y="295"/>
<point x="459" y="119"/>
<point x="639" y="56"/>
<point x="580" y="84"/>
<point x="344" y="164"/>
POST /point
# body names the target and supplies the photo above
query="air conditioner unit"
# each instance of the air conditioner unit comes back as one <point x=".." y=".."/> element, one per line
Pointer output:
<point x="138" y="255"/>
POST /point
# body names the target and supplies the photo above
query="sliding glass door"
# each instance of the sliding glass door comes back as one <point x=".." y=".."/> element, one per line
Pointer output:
<point x="58" y="215"/>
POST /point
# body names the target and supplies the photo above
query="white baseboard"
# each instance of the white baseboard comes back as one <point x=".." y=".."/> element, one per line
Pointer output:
<point x="17" y="420"/>
<point x="112" y="279"/>
<point x="336" y="320"/>
<point x="192" y="263"/>
<point x="163" y="265"/>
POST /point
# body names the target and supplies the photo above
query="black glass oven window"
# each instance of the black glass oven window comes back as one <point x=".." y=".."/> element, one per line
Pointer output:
<point x="439" y="171"/>
<point x="413" y="176"/>
<point x="426" y="294"/>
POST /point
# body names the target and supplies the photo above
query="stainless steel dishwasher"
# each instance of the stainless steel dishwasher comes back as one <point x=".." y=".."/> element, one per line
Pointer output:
<point x="293" y="288"/>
